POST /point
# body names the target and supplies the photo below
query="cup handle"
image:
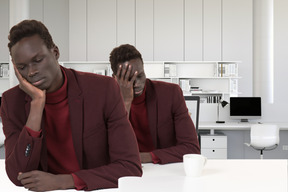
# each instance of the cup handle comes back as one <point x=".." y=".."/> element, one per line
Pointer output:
<point x="205" y="160"/>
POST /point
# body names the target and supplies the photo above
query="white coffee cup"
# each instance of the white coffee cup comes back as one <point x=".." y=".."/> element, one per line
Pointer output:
<point x="194" y="164"/>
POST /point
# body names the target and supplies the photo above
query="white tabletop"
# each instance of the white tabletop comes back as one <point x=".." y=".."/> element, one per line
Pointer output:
<point x="218" y="175"/>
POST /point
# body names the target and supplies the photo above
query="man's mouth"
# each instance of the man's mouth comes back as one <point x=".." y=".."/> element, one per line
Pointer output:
<point x="37" y="83"/>
<point x="138" y="92"/>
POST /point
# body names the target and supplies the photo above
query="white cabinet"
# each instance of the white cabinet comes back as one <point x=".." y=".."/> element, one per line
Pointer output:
<point x="144" y="28"/>
<point x="193" y="30"/>
<point x="212" y="30"/>
<point x="56" y="17"/>
<point x="168" y="30"/>
<point x="101" y="29"/>
<point x="214" y="146"/>
<point x="77" y="30"/>
<point x="125" y="22"/>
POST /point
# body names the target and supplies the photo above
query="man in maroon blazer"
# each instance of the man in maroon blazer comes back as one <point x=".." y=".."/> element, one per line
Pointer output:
<point x="64" y="129"/>
<point x="157" y="110"/>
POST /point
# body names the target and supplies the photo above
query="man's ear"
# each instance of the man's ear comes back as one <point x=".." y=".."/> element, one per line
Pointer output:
<point x="56" y="52"/>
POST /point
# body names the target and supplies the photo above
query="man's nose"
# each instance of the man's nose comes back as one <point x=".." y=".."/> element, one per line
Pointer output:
<point x="136" y="83"/>
<point x="32" y="70"/>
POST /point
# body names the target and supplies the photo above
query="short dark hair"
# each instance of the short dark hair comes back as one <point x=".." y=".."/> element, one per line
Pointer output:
<point x="123" y="53"/>
<point x="28" y="28"/>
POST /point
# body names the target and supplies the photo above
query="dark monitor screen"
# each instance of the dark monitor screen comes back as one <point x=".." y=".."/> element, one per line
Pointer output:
<point x="245" y="108"/>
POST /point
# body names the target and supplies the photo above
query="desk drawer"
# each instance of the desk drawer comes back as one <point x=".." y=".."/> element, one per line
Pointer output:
<point x="214" y="153"/>
<point x="213" y="141"/>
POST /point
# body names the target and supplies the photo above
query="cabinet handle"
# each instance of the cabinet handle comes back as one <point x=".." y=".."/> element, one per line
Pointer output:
<point x="213" y="139"/>
<point x="213" y="150"/>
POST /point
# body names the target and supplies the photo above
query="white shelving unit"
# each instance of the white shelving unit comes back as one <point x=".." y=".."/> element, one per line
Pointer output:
<point x="4" y="77"/>
<point x="208" y="79"/>
<point x="98" y="67"/>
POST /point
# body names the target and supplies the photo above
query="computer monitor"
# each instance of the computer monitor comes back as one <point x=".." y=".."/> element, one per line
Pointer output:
<point x="245" y="108"/>
<point x="193" y="105"/>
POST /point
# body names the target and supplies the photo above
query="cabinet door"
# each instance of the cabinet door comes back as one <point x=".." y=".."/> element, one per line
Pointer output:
<point x="126" y="22"/>
<point x="212" y="30"/>
<point x="214" y="153"/>
<point x="193" y="30"/>
<point x="77" y="30"/>
<point x="213" y="142"/>
<point x="101" y="29"/>
<point x="144" y="29"/>
<point x="56" y="19"/>
<point x="36" y="9"/>
<point x="168" y="30"/>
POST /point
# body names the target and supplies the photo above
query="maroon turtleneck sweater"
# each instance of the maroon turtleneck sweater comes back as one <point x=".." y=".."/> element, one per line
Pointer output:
<point x="139" y="121"/>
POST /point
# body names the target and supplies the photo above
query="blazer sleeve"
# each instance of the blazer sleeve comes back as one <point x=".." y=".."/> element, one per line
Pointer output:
<point x="184" y="129"/>
<point x="22" y="151"/>
<point x="123" y="152"/>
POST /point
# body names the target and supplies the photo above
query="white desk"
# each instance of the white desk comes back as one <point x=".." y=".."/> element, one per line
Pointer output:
<point x="218" y="175"/>
<point x="234" y="126"/>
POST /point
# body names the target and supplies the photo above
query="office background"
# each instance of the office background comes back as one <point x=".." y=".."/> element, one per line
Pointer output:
<point x="165" y="30"/>
<point x="170" y="30"/>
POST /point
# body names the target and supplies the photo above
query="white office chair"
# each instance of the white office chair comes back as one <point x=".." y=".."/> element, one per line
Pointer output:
<point x="264" y="137"/>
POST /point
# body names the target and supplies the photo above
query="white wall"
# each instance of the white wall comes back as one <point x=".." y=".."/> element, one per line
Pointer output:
<point x="278" y="110"/>
<point x="164" y="30"/>
<point x="4" y="29"/>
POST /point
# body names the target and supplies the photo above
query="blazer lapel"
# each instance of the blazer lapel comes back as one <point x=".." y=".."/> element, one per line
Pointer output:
<point x="151" y="103"/>
<point x="75" y="100"/>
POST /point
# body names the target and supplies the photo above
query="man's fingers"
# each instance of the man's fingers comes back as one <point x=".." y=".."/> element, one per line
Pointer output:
<point x="124" y="70"/>
<point x="24" y="175"/>
<point x="118" y="72"/>
<point x="127" y="74"/>
<point x="134" y="77"/>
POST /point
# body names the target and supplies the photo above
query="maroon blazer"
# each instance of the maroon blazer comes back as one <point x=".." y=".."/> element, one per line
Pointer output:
<point x="104" y="141"/>
<point x="171" y="126"/>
